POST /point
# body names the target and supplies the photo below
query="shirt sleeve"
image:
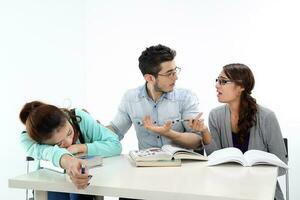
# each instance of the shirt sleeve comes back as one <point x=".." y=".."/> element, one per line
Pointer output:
<point x="99" y="139"/>
<point x="42" y="151"/>
<point x="274" y="139"/>
<point x="215" y="134"/>
<point x="122" y="122"/>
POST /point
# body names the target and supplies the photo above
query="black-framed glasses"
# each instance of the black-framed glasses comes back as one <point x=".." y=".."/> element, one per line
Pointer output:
<point x="223" y="81"/>
<point x="171" y="73"/>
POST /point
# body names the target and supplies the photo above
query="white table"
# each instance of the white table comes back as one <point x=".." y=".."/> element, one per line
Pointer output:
<point x="192" y="181"/>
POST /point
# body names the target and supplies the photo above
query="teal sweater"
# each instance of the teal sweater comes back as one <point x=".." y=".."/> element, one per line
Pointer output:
<point x="99" y="140"/>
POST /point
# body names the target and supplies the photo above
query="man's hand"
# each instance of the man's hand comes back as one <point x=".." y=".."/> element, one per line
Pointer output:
<point x="163" y="130"/>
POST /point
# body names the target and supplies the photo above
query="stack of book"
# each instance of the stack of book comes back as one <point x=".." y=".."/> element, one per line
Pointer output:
<point x="168" y="155"/>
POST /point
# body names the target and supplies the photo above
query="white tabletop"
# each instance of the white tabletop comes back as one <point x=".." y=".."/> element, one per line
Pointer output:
<point x="193" y="180"/>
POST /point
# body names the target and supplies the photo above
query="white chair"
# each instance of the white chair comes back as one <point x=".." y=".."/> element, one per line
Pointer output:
<point x="287" y="195"/>
<point x="28" y="159"/>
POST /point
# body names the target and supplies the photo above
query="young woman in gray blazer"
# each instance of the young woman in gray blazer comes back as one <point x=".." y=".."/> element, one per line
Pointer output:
<point x="241" y="122"/>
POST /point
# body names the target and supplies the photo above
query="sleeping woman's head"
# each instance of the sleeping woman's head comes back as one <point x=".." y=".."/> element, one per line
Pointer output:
<point x="47" y="124"/>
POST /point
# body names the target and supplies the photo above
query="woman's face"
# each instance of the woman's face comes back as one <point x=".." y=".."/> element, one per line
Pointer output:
<point x="227" y="90"/>
<point x="63" y="136"/>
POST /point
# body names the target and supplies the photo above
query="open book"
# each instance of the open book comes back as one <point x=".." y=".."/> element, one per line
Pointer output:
<point x="249" y="158"/>
<point x="92" y="161"/>
<point x="168" y="155"/>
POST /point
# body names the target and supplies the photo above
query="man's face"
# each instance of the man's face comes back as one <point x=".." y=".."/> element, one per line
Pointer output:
<point x="166" y="78"/>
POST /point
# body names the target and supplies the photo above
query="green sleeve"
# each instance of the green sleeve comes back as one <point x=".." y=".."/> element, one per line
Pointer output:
<point x="42" y="151"/>
<point x="99" y="139"/>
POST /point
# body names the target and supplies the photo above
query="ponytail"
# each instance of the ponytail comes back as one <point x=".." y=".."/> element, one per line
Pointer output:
<point x="247" y="116"/>
<point x="27" y="109"/>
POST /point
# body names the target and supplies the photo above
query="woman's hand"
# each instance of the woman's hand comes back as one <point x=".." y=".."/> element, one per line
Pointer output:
<point x="73" y="167"/>
<point x="77" y="149"/>
<point x="198" y="125"/>
<point x="163" y="130"/>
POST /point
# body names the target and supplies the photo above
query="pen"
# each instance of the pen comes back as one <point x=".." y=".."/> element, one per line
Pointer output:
<point x="82" y="169"/>
<point x="173" y="122"/>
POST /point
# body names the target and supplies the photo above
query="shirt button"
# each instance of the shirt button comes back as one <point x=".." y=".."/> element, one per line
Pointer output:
<point x="154" y="122"/>
<point x="158" y="137"/>
<point x="155" y="106"/>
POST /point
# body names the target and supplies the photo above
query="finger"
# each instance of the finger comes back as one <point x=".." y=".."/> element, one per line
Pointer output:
<point x="80" y="181"/>
<point x="145" y="119"/>
<point x="199" y="115"/>
<point x="168" y="124"/>
<point x="82" y="186"/>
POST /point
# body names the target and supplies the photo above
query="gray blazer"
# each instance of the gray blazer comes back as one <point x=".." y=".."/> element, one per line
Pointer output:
<point x="265" y="135"/>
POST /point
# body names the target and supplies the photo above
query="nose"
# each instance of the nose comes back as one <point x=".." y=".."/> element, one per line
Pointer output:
<point x="175" y="76"/>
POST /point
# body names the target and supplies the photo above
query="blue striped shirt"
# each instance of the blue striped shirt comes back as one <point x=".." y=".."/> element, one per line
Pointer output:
<point x="136" y="104"/>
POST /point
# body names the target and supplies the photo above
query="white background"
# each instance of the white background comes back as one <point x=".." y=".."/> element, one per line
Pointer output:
<point x="84" y="54"/>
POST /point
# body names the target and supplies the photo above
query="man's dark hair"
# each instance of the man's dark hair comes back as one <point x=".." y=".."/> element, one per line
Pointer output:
<point x="152" y="57"/>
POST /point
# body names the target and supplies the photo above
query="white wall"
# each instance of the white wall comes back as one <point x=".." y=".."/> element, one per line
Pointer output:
<point x="41" y="57"/>
<point x="207" y="35"/>
<point x="97" y="43"/>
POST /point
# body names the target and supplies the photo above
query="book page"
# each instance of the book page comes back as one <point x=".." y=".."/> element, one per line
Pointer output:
<point x="182" y="153"/>
<point x="174" y="149"/>
<point x="256" y="157"/>
<point x="230" y="154"/>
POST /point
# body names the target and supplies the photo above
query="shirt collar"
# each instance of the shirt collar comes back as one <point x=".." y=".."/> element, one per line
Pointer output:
<point x="143" y="93"/>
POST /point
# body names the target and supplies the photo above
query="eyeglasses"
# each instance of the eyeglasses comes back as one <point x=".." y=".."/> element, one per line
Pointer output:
<point x="171" y="73"/>
<point x="223" y="81"/>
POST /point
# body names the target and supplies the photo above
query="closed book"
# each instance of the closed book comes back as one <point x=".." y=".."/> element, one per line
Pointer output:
<point x="45" y="164"/>
<point x="92" y="161"/>
<point x="155" y="163"/>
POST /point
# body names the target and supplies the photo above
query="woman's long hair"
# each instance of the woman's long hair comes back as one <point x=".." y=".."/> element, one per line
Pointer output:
<point x="41" y="119"/>
<point x="243" y="76"/>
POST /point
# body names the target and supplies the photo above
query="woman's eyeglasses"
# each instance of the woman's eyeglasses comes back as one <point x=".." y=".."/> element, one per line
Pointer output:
<point x="223" y="81"/>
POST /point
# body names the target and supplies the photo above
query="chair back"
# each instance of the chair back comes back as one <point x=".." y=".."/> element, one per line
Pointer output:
<point x="287" y="192"/>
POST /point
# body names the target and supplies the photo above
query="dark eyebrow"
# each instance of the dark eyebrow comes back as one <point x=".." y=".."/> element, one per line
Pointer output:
<point x="224" y="77"/>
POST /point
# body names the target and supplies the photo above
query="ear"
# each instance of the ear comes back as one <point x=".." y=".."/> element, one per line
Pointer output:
<point x="241" y="90"/>
<point x="149" y="78"/>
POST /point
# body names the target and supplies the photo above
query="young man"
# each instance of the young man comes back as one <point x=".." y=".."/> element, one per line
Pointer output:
<point x="157" y="109"/>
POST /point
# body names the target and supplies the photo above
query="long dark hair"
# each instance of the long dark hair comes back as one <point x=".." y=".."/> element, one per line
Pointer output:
<point x="243" y="76"/>
<point x="41" y="119"/>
